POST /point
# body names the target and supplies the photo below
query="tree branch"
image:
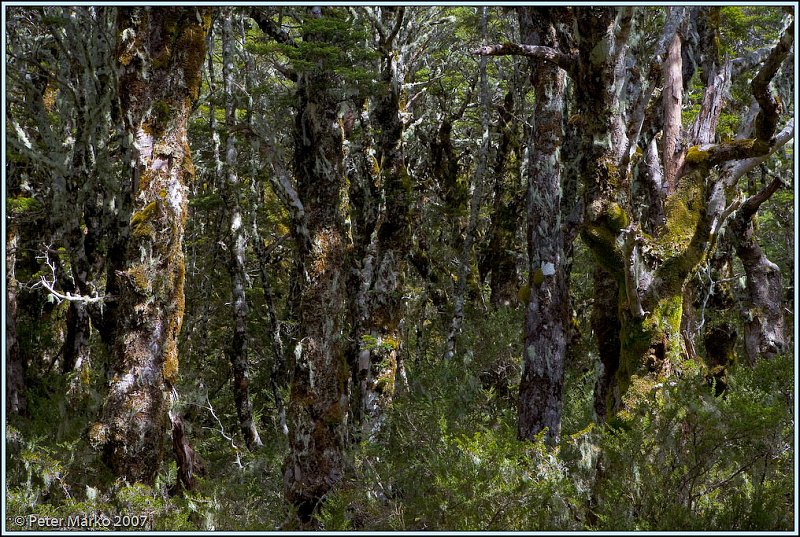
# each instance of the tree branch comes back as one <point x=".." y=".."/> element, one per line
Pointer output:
<point x="743" y="167"/>
<point x="751" y="204"/>
<point x="767" y="118"/>
<point x="632" y="240"/>
<point x="562" y="60"/>
<point x="271" y="29"/>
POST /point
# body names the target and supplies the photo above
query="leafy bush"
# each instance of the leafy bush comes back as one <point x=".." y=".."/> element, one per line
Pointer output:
<point x="687" y="460"/>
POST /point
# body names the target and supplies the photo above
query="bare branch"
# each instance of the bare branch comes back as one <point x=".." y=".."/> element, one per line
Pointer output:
<point x="767" y="118"/>
<point x="285" y="190"/>
<point x="744" y="166"/>
<point x="73" y="298"/>
<point x="751" y="204"/>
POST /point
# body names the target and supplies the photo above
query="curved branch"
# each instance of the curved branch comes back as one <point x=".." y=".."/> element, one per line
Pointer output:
<point x="767" y="118"/>
<point x="744" y="166"/>
<point x="74" y="298"/>
<point x="562" y="60"/>
<point x="751" y="205"/>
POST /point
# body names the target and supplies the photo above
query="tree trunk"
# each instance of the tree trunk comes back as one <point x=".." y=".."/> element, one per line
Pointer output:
<point x="160" y="52"/>
<point x="546" y="313"/>
<point x="476" y="189"/>
<point x="606" y="326"/>
<point x="237" y="244"/>
<point x="383" y="265"/>
<point x="764" y="324"/>
<point x="16" y="401"/>
<point x="498" y="258"/>
<point x="318" y="400"/>
<point x="76" y="357"/>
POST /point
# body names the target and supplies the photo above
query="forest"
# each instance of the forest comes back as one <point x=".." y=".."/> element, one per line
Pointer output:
<point x="387" y="268"/>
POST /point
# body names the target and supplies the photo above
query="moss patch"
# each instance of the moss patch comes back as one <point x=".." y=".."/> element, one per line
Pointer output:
<point x="617" y="217"/>
<point x="683" y="210"/>
<point x="141" y="221"/>
<point x="603" y="244"/>
<point x="697" y="156"/>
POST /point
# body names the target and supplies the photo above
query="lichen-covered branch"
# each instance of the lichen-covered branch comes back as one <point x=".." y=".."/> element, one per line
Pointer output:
<point x="561" y="59"/>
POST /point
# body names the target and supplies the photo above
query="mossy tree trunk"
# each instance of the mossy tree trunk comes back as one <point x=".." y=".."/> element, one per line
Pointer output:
<point x="237" y="244"/>
<point x="318" y="401"/>
<point x="382" y="267"/>
<point x="651" y="267"/>
<point x="652" y="270"/>
<point x="546" y="313"/>
<point x="160" y="53"/>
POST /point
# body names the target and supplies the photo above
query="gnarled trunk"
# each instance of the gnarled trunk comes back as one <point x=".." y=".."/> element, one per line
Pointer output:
<point x="160" y="53"/>
<point x="764" y="324"/>
<point x="383" y="265"/>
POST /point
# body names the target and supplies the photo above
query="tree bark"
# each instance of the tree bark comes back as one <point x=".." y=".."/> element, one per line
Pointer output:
<point x="237" y="245"/>
<point x="16" y="400"/>
<point x="546" y="313"/>
<point x="160" y="53"/>
<point x="383" y="266"/>
<point x="762" y="310"/>
<point x="318" y="401"/>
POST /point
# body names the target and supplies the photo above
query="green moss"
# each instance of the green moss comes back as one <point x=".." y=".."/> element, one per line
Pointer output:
<point x="524" y="294"/>
<point x="160" y="116"/>
<point x="683" y="210"/>
<point x="141" y="222"/>
<point x="139" y="278"/>
<point x="642" y="339"/>
<point x="613" y="173"/>
<point x="22" y="206"/>
<point x="603" y="244"/>
<point x="695" y="155"/>
<point x="170" y="368"/>
<point x="538" y="277"/>
<point x="191" y="43"/>
<point x="617" y="217"/>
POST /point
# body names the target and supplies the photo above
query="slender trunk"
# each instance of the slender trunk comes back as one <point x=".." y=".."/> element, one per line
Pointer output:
<point x="236" y="248"/>
<point x="605" y="325"/>
<point x="546" y="313"/>
<point x="277" y="376"/>
<point x="672" y="98"/>
<point x="76" y="356"/>
<point x="499" y="259"/>
<point x="16" y="401"/>
<point x="383" y="267"/>
<point x="465" y="256"/>
<point x="160" y="53"/>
